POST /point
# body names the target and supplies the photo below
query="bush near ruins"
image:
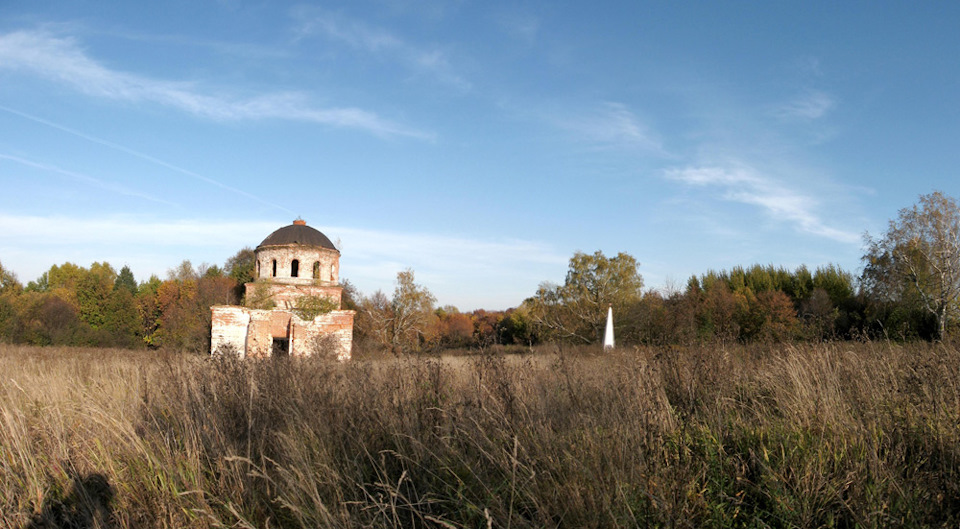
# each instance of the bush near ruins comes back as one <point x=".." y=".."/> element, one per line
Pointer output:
<point x="260" y="298"/>
<point x="309" y="307"/>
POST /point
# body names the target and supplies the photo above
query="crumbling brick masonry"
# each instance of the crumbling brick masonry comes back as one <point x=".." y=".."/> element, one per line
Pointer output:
<point x="293" y="264"/>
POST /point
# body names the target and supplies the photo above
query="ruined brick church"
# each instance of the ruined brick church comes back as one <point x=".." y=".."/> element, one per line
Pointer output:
<point x="297" y="270"/>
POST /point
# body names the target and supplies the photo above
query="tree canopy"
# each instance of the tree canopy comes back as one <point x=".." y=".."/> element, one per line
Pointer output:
<point x="576" y="311"/>
<point x="918" y="259"/>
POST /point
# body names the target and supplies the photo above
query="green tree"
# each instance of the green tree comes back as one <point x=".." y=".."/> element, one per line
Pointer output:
<point x="125" y="280"/>
<point x="42" y="284"/>
<point x="349" y="296"/>
<point x="242" y="269"/>
<point x="122" y="320"/>
<point x="837" y="283"/>
<point x="576" y="311"/>
<point x="919" y="252"/>
<point x="93" y="289"/>
<point x="64" y="276"/>
<point x="515" y="327"/>
<point x="150" y="309"/>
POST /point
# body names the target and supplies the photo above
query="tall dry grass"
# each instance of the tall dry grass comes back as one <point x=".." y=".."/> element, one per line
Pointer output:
<point x="851" y="435"/>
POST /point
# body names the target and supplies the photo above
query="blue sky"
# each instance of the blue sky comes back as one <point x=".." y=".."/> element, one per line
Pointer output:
<point x="479" y="143"/>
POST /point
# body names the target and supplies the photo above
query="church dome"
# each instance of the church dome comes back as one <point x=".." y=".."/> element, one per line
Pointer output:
<point x="297" y="233"/>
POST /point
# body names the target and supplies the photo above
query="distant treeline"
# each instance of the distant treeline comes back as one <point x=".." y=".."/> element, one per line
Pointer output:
<point x="97" y="306"/>
<point x="909" y="289"/>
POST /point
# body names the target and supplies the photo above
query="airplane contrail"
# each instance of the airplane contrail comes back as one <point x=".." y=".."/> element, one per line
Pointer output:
<point x="147" y="157"/>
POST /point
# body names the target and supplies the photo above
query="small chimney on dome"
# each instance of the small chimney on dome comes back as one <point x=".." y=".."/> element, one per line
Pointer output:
<point x="299" y="222"/>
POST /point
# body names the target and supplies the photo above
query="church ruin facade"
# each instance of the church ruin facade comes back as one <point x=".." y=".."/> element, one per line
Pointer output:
<point x="293" y="306"/>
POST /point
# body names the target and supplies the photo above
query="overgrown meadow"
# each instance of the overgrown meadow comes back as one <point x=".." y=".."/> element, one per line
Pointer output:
<point x="833" y="435"/>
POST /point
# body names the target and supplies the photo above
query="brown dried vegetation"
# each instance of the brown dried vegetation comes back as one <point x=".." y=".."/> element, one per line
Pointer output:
<point x="828" y="435"/>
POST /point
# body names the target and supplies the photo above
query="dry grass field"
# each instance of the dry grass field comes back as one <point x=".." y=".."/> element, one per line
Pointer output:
<point x="835" y="435"/>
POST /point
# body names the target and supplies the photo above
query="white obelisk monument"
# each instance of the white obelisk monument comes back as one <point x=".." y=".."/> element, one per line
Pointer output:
<point x="608" y="335"/>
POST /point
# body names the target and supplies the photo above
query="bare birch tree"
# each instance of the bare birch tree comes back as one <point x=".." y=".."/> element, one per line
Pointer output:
<point x="412" y="312"/>
<point x="398" y="322"/>
<point x="920" y="251"/>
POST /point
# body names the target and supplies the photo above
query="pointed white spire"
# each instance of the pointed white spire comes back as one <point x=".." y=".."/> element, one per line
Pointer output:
<point x="608" y="335"/>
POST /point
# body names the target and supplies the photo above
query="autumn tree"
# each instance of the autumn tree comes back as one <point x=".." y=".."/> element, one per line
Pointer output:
<point x="8" y="281"/>
<point x="41" y="284"/>
<point x="400" y="323"/>
<point x="454" y="328"/>
<point x="819" y="314"/>
<point x="10" y="289"/>
<point x="776" y="315"/>
<point x="576" y="311"/>
<point x="412" y="308"/>
<point x="374" y="320"/>
<point x="648" y="322"/>
<point x="62" y="281"/>
<point x="920" y="252"/>
<point x="718" y="311"/>
<point x="184" y="302"/>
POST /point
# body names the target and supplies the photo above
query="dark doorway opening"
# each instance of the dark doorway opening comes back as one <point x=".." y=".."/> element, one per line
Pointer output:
<point x="295" y="268"/>
<point x="280" y="347"/>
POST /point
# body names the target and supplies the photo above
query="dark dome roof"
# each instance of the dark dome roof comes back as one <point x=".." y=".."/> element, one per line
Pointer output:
<point x="297" y="233"/>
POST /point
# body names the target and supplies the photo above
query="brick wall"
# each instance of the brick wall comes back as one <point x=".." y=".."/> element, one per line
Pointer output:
<point x="229" y="329"/>
<point x="330" y="333"/>
<point x="251" y="332"/>
<point x="306" y="256"/>
<point x="285" y="294"/>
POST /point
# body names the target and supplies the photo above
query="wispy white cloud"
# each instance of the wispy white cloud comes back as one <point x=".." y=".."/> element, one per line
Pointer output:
<point x="442" y="251"/>
<point x="613" y="125"/>
<point x="462" y="270"/>
<point x="378" y="41"/>
<point x="127" y="230"/>
<point x="63" y="60"/>
<point x="809" y="106"/>
<point x="746" y="186"/>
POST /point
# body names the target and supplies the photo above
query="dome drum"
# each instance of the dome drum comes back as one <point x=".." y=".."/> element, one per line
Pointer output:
<point x="301" y="265"/>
